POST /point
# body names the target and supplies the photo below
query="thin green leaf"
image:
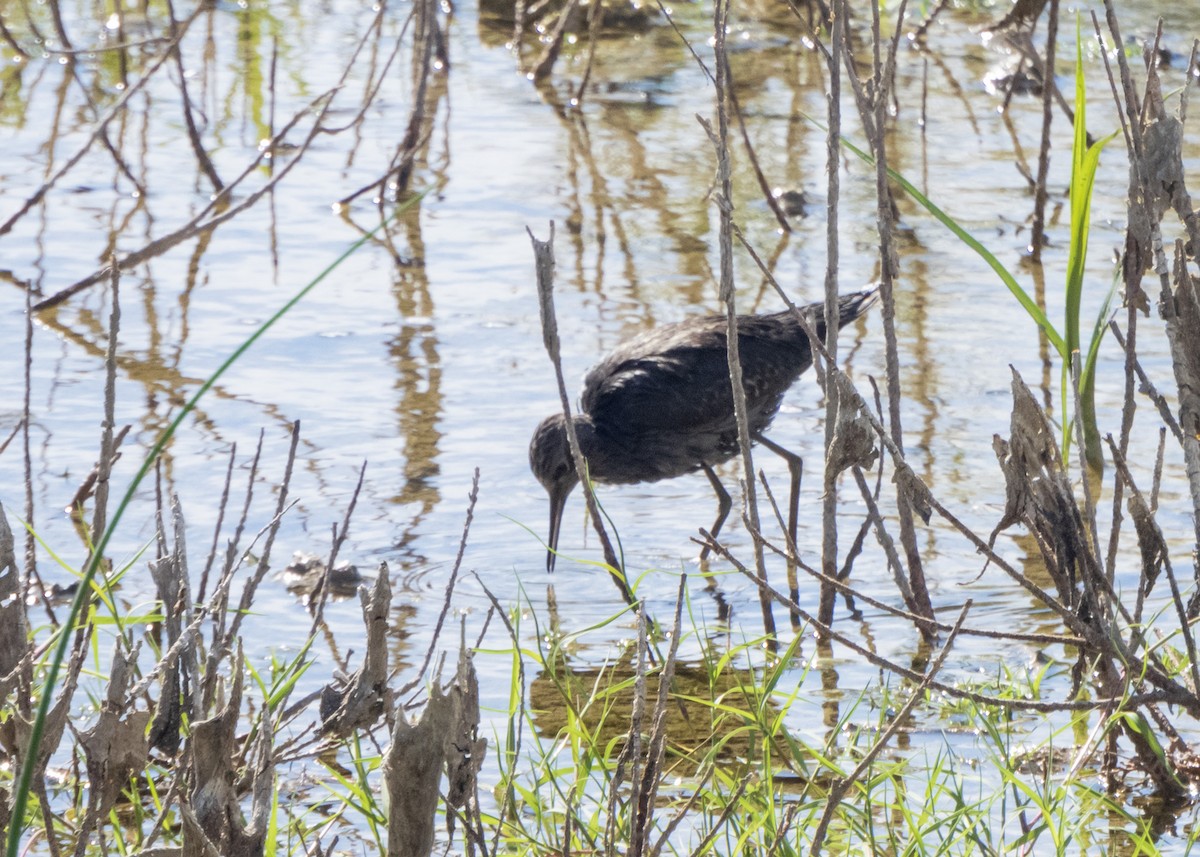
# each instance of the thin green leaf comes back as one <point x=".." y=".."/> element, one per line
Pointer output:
<point x="1028" y="303"/>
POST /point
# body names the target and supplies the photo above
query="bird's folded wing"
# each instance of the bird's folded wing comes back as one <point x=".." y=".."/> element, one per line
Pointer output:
<point x="686" y="388"/>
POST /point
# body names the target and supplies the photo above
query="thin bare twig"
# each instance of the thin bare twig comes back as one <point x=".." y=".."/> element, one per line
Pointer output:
<point x="448" y="589"/>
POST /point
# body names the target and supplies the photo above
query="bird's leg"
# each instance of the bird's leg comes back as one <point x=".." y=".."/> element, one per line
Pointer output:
<point x="796" y="468"/>
<point x="724" y="504"/>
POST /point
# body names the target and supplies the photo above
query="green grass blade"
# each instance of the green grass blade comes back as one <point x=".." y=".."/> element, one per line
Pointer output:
<point x="1029" y="304"/>
<point x="1085" y="160"/>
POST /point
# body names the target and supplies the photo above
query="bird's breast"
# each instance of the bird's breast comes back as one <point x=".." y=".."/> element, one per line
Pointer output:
<point x="656" y="455"/>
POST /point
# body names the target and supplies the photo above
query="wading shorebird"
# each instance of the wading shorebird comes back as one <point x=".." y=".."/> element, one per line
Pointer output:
<point x="661" y="404"/>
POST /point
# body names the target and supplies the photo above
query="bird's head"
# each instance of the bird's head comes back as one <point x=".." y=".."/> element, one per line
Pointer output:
<point x="550" y="460"/>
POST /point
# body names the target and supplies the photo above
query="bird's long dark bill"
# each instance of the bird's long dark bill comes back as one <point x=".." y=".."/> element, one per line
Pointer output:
<point x="558" y="502"/>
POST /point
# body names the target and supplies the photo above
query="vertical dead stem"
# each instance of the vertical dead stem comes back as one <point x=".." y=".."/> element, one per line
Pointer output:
<point x="104" y="464"/>
<point x="724" y="199"/>
<point x="829" y="564"/>
<point x="1038" y="233"/>
<point x="543" y="252"/>
<point x="31" y="581"/>
<point x="874" y="114"/>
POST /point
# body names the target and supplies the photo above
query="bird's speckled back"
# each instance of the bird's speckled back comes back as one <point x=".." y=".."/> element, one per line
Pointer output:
<point x="673" y="381"/>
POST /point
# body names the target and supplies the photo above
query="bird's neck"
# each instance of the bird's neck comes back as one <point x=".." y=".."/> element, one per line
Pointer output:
<point x="597" y="447"/>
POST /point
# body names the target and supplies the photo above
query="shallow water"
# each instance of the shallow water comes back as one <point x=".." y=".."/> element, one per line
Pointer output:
<point x="431" y="365"/>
